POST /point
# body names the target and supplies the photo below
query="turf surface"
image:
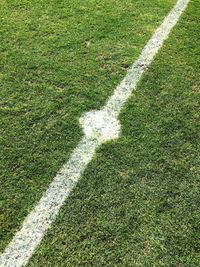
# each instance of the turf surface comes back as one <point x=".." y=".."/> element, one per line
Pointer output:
<point x="138" y="202"/>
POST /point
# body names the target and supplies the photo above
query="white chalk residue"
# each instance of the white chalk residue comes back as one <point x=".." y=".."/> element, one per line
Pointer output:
<point x="101" y="125"/>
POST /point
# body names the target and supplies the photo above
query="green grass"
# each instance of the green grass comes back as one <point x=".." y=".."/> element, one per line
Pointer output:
<point x="138" y="201"/>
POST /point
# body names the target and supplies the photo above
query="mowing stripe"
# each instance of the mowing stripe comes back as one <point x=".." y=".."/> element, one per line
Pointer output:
<point x="98" y="127"/>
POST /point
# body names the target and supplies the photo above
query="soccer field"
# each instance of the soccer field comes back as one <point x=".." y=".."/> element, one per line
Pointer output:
<point x="137" y="203"/>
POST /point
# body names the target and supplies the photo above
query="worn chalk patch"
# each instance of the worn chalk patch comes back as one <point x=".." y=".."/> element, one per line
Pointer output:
<point x="101" y="125"/>
<point x="98" y="126"/>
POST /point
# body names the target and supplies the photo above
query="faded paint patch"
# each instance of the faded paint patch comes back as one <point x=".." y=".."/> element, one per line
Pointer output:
<point x="101" y="125"/>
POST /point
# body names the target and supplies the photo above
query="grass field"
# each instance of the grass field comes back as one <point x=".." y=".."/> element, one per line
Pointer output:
<point x="138" y="202"/>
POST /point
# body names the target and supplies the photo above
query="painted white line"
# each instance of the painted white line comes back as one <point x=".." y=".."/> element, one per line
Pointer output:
<point x="98" y="126"/>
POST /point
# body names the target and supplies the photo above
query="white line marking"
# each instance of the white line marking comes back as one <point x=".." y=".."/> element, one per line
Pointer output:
<point x="98" y="127"/>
